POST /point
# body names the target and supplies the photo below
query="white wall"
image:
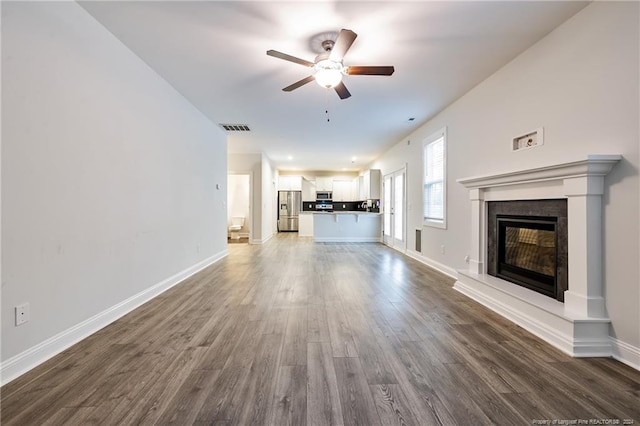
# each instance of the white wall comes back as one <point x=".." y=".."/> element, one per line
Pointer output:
<point x="108" y="174"/>
<point x="238" y="199"/>
<point x="581" y="84"/>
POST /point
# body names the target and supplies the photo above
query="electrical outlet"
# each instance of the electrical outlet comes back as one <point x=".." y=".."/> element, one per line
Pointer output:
<point x="22" y="314"/>
<point x="442" y="249"/>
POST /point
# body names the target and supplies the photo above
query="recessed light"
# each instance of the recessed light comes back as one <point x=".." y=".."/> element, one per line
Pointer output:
<point x="289" y="157"/>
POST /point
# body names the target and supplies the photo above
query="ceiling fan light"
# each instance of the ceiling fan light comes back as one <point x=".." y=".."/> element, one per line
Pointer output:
<point x="328" y="78"/>
<point x="328" y="73"/>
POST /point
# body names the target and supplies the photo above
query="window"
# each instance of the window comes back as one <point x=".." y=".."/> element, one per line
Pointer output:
<point x="435" y="184"/>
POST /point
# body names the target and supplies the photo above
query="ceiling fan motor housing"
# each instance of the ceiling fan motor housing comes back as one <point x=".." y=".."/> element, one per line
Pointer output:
<point x="327" y="45"/>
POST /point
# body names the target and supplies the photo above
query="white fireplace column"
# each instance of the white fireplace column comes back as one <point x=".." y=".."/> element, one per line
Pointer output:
<point x="584" y="208"/>
<point x="476" y="258"/>
<point x="579" y="326"/>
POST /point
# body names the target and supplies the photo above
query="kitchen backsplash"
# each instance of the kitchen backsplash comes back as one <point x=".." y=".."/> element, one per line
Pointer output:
<point x="338" y="206"/>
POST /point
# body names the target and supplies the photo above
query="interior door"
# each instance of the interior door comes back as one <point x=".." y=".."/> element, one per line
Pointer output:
<point x="394" y="209"/>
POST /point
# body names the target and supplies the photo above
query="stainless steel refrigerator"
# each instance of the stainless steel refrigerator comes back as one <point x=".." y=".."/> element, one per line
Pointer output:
<point x="289" y="204"/>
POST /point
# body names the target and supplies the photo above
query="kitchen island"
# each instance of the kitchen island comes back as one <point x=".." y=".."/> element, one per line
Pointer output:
<point x="352" y="226"/>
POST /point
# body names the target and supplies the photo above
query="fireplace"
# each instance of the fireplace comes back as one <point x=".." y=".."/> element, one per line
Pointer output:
<point x="523" y="204"/>
<point x="527" y="244"/>
<point x="527" y="252"/>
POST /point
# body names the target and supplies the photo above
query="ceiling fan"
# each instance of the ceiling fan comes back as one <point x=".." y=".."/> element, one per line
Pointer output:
<point x="328" y="67"/>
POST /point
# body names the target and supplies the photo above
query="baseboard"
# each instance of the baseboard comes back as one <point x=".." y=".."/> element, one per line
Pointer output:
<point x="36" y="355"/>
<point x="440" y="267"/>
<point x="625" y="353"/>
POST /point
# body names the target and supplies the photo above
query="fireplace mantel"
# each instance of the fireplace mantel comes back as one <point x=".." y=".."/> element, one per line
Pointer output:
<point x="593" y="165"/>
<point x="580" y="325"/>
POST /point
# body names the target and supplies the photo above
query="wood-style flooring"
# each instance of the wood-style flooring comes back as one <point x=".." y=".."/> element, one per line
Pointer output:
<point x="294" y="332"/>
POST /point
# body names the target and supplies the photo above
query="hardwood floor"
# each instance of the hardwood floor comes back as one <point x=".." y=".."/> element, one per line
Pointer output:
<point x="295" y="332"/>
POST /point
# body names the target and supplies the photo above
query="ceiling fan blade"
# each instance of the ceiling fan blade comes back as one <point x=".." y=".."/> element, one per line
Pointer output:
<point x="343" y="43"/>
<point x="299" y="83"/>
<point x="290" y="58"/>
<point x="364" y="70"/>
<point x="342" y="91"/>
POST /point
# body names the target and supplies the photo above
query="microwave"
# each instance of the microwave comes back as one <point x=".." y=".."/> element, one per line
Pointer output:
<point x="324" y="195"/>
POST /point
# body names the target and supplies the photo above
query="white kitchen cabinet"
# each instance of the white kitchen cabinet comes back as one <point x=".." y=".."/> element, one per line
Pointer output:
<point x="308" y="190"/>
<point x="343" y="190"/>
<point x="355" y="185"/>
<point x="375" y="184"/>
<point x="289" y="183"/>
<point x="324" y="183"/>
<point x="371" y="185"/>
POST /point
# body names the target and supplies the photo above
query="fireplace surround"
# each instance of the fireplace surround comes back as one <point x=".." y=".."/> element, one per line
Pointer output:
<point x="577" y="323"/>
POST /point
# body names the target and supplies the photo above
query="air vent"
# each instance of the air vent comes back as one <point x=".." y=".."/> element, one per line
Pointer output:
<point x="235" y="127"/>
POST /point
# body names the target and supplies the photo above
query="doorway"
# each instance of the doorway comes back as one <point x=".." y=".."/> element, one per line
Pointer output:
<point x="394" y="209"/>
<point x="239" y="207"/>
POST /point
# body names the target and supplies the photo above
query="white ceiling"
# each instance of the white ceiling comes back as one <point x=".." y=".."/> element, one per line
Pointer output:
<point x="214" y="53"/>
